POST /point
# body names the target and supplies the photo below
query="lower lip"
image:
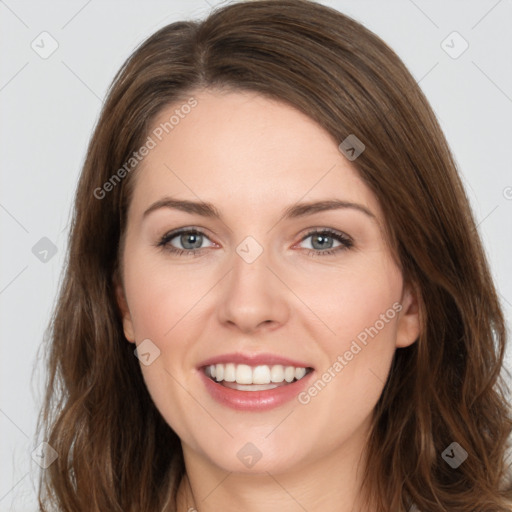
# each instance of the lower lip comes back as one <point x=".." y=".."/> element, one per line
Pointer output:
<point x="255" y="400"/>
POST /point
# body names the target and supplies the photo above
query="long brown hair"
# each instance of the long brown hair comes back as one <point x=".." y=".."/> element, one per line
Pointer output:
<point x="115" y="451"/>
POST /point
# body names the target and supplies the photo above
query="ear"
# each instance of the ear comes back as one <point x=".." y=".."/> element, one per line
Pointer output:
<point x="123" y="307"/>
<point x="409" y="325"/>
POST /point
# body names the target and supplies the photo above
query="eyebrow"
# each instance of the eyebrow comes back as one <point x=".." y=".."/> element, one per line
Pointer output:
<point x="292" y="212"/>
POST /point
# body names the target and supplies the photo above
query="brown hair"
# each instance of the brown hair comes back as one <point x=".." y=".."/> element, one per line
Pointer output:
<point x="115" y="450"/>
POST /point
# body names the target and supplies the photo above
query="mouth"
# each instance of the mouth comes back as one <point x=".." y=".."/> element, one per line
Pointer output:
<point x="254" y="382"/>
<point x="262" y="377"/>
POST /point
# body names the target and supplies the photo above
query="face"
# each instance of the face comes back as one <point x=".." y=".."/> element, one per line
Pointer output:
<point x="307" y="304"/>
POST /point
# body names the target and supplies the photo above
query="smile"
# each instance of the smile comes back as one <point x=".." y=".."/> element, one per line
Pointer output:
<point x="244" y="377"/>
<point x="256" y="387"/>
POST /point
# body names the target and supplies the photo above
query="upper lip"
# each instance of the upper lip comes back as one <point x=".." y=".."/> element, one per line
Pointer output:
<point x="254" y="360"/>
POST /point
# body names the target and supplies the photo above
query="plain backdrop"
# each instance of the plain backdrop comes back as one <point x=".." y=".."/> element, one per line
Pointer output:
<point x="50" y="103"/>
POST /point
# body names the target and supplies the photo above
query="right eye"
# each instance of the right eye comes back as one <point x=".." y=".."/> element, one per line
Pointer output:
<point x="190" y="240"/>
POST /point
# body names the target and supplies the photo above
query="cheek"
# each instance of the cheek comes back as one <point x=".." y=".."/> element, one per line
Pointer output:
<point x="356" y="301"/>
<point x="159" y="297"/>
<point x="361" y="309"/>
<point x="161" y="302"/>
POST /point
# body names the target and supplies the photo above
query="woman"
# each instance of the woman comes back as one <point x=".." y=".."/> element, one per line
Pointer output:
<point x="276" y="297"/>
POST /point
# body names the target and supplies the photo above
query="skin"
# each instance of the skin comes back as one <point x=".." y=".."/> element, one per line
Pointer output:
<point x="252" y="157"/>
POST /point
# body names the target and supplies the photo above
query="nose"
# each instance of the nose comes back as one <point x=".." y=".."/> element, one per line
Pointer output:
<point x="253" y="296"/>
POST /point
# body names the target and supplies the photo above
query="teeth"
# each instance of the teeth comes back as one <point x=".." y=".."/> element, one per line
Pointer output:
<point x="247" y="375"/>
<point x="299" y="373"/>
<point x="243" y="374"/>
<point x="261" y="375"/>
<point x="277" y="373"/>
<point x="230" y="372"/>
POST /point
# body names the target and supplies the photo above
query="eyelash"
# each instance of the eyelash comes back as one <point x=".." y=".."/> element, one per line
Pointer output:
<point x="346" y="242"/>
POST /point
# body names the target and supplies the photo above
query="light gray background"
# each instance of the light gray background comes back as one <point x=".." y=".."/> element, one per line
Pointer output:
<point x="49" y="107"/>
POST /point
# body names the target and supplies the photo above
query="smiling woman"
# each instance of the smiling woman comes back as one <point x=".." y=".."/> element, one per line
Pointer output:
<point x="285" y="304"/>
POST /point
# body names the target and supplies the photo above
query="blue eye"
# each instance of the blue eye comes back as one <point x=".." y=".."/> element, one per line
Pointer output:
<point x="187" y="237"/>
<point x="192" y="240"/>
<point x="320" y="239"/>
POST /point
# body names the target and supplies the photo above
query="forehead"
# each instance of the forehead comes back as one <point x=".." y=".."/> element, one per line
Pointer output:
<point x="245" y="150"/>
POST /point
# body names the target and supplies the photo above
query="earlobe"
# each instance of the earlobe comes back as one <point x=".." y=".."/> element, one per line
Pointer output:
<point x="409" y="324"/>
<point x="125" y="312"/>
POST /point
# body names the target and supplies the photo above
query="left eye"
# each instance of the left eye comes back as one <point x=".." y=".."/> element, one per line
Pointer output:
<point x="321" y="240"/>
